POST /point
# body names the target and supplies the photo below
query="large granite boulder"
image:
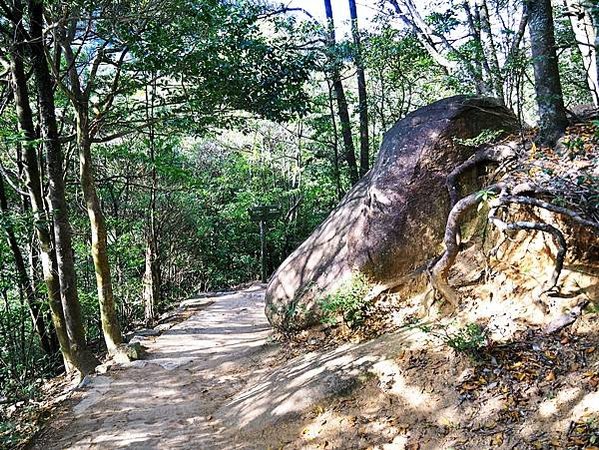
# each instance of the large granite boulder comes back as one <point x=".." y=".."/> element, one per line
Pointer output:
<point x="393" y="220"/>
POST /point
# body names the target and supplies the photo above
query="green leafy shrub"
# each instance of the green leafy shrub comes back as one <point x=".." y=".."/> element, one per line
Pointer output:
<point x="348" y="302"/>
<point x="471" y="340"/>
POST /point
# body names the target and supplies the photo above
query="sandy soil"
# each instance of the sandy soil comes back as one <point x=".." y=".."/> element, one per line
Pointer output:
<point x="218" y="380"/>
<point x="168" y="400"/>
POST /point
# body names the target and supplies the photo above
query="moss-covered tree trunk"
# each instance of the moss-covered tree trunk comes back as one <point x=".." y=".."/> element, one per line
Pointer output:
<point x="99" y="248"/>
<point x="34" y="188"/>
<point x="82" y="358"/>
<point x="110" y="325"/>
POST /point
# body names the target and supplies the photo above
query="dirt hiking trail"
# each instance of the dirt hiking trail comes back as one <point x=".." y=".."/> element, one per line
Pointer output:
<point x="212" y="381"/>
<point x="216" y="380"/>
<point x="169" y="399"/>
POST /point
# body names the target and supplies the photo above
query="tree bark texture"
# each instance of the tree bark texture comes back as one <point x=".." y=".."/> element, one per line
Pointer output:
<point x="343" y="111"/>
<point x="34" y="189"/>
<point x="550" y="101"/>
<point x="83" y="359"/>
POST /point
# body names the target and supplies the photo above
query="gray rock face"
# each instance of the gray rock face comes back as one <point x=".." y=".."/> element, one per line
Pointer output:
<point x="393" y="220"/>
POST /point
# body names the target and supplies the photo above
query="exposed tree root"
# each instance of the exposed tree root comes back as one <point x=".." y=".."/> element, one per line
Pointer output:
<point x="496" y="154"/>
<point x="521" y="193"/>
<point x="440" y="271"/>
<point x="524" y="200"/>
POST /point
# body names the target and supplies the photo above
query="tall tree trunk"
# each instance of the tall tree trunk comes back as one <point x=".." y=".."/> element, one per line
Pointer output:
<point x="362" y="96"/>
<point x="550" y="101"/>
<point x="343" y="111"/>
<point x="110" y="325"/>
<point x="83" y="359"/>
<point x="489" y="50"/>
<point x="25" y="285"/>
<point x="336" y="172"/>
<point x="80" y="100"/>
<point x="151" y="279"/>
<point x="474" y="26"/>
<point x="34" y="188"/>
<point x="582" y="25"/>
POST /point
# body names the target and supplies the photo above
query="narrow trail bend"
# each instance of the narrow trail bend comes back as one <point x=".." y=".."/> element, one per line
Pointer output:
<point x="169" y="400"/>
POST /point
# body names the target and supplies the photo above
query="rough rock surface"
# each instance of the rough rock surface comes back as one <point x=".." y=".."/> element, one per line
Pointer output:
<point x="392" y="221"/>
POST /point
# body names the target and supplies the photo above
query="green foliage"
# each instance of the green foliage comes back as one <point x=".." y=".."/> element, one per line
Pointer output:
<point x="223" y="60"/>
<point x="484" y="196"/>
<point x="348" y="302"/>
<point x="22" y="361"/>
<point x="471" y="340"/>
<point x="485" y="137"/>
<point x="405" y="76"/>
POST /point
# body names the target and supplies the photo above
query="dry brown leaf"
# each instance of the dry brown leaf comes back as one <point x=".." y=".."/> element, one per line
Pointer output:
<point x="497" y="439"/>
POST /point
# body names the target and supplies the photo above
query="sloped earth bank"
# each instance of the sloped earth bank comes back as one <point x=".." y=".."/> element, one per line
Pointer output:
<point x="218" y="380"/>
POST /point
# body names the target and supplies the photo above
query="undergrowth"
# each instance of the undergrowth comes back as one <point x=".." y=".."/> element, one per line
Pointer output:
<point x="471" y="340"/>
<point x="347" y="304"/>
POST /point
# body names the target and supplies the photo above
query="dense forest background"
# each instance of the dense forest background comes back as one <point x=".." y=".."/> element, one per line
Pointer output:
<point x="135" y="138"/>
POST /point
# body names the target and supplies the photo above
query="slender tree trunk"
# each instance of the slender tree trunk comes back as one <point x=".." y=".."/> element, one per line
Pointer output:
<point x="490" y="51"/>
<point x="344" y="118"/>
<point x="474" y="25"/>
<point x="83" y="359"/>
<point x="99" y="249"/>
<point x="362" y="96"/>
<point x="582" y="25"/>
<point x="34" y="188"/>
<point x="550" y="101"/>
<point x="336" y="172"/>
<point x="25" y="284"/>
<point x="151" y="279"/>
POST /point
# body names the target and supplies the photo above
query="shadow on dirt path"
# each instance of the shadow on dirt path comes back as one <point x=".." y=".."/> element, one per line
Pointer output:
<point x="213" y="381"/>
<point x="167" y="400"/>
